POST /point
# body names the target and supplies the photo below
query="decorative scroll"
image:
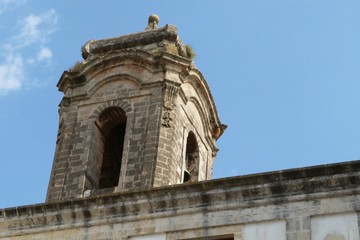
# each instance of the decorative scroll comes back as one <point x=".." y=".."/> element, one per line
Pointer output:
<point x="170" y="92"/>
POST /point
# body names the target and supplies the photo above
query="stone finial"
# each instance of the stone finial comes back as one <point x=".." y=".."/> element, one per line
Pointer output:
<point x="153" y="22"/>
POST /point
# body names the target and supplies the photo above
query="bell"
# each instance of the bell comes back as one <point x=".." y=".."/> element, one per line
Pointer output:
<point x="186" y="176"/>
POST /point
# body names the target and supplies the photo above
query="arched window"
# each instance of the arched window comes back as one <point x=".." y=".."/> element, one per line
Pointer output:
<point x="111" y="127"/>
<point x="191" y="172"/>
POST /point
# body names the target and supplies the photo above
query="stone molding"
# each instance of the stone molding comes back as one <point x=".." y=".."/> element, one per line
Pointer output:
<point x="168" y="32"/>
<point x="280" y="187"/>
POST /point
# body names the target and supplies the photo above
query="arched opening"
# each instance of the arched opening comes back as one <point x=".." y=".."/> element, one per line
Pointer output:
<point x="191" y="171"/>
<point x="111" y="125"/>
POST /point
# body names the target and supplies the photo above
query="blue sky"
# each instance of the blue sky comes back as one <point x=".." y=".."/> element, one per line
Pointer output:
<point x="284" y="75"/>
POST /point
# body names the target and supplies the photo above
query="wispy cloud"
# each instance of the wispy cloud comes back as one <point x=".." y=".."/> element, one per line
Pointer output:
<point x="11" y="73"/>
<point x="44" y="54"/>
<point x="34" y="31"/>
<point x="10" y="4"/>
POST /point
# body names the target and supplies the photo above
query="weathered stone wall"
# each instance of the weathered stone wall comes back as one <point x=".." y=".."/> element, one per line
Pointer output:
<point x="312" y="203"/>
<point x="189" y="113"/>
<point x="77" y="159"/>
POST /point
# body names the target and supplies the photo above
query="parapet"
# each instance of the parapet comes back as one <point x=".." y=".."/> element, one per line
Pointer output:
<point x="278" y="195"/>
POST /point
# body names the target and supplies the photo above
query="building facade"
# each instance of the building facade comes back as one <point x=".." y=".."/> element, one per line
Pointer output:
<point x="134" y="156"/>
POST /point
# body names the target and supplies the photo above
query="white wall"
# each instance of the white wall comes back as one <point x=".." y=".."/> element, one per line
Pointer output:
<point x="335" y="227"/>
<point x="265" y="231"/>
<point x="161" y="236"/>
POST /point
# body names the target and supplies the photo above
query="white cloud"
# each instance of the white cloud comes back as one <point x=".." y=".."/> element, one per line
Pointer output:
<point x="8" y="4"/>
<point x="44" y="54"/>
<point x="11" y="73"/>
<point x="34" y="31"/>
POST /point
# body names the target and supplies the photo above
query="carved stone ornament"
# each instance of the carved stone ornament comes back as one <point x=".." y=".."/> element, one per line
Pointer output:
<point x="183" y="75"/>
<point x="167" y="119"/>
<point x="170" y="92"/>
<point x="169" y="105"/>
<point x="65" y="102"/>
<point x="153" y="22"/>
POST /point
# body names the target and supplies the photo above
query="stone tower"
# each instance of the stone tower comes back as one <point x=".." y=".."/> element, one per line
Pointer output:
<point x="136" y="114"/>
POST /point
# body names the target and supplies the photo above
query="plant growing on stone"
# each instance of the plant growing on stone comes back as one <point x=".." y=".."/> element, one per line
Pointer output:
<point x="76" y="67"/>
<point x="190" y="52"/>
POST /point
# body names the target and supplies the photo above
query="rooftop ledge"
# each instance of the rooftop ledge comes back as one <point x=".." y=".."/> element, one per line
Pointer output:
<point x="269" y="187"/>
<point x="147" y="37"/>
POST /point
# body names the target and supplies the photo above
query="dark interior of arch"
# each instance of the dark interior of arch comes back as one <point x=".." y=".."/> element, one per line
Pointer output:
<point x="192" y="159"/>
<point x="112" y="123"/>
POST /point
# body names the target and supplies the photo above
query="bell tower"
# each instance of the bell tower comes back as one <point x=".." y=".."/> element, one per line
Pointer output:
<point x="136" y="114"/>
